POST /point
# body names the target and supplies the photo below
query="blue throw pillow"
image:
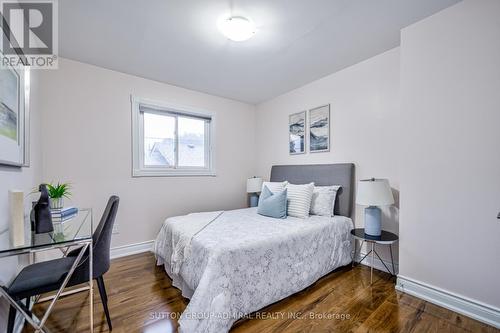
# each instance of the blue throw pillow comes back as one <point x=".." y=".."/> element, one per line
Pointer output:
<point x="272" y="204"/>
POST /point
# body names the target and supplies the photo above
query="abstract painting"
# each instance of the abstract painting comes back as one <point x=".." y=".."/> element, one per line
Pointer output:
<point x="9" y="104"/>
<point x="319" y="129"/>
<point x="12" y="117"/>
<point x="297" y="133"/>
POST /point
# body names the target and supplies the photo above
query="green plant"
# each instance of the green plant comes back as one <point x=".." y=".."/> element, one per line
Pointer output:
<point x="59" y="190"/>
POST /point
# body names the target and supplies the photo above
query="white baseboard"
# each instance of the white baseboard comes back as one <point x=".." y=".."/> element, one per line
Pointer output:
<point x="463" y="305"/>
<point x="127" y="250"/>
<point x="377" y="264"/>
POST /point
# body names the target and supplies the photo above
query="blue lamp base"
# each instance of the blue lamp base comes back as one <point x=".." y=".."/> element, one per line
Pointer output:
<point x="373" y="218"/>
<point x="254" y="200"/>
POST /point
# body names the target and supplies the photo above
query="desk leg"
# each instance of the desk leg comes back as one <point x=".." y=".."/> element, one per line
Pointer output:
<point x="91" y="287"/>
<point x="18" y="308"/>
<point x="63" y="285"/>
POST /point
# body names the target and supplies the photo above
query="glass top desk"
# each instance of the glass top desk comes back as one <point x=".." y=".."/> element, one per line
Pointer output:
<point x="76" y="231"/>
<point x="78" y="228"/>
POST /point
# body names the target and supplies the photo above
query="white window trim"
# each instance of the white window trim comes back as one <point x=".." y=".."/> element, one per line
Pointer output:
<point x="138" y="140"/>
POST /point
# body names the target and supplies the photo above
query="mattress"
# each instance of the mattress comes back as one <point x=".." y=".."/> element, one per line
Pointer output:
<point x="233" y="263"/>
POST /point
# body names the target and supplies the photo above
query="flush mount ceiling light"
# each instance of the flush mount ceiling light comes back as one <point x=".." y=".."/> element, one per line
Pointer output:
<point x="236" y="28"/>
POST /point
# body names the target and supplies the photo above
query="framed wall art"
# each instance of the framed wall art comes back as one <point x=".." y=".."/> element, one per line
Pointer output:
<point x="14" y="117"/>
<point x="319" y="129"/>
<point x="297" y="133"/>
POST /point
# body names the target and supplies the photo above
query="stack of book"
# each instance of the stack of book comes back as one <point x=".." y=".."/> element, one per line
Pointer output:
<point x="63" y="214"/>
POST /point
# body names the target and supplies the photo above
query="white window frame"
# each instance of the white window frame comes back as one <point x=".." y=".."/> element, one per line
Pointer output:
<point x="138" y="167"/>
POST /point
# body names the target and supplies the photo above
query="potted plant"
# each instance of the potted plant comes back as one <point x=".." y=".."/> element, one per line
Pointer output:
<point x="57" y="193"/>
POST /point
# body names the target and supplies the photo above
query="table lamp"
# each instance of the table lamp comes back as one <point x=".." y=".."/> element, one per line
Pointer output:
<point x="374" y="193"/>
<point x="254" y="186"/>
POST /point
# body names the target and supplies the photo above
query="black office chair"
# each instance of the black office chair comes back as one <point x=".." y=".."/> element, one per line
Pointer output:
<point x="48" y="276"/>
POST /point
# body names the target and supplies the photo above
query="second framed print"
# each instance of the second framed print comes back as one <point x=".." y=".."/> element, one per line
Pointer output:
<point x="319" y="129"/>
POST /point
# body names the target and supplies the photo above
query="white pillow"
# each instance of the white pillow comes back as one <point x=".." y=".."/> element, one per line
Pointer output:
<point x="323" y="200"/>
<point x="275" y="186"/>
<point x="299" y="199"/>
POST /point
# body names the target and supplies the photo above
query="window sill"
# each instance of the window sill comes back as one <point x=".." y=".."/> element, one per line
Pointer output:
<point x="173" y="173"/>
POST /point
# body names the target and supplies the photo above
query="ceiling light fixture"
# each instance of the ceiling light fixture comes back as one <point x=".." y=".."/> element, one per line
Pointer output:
<point x="236" y="28"/>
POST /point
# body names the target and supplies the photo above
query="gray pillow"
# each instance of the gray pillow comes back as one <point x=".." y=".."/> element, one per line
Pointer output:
<point x="272" y="204"/>
<point x="323" y="200"/>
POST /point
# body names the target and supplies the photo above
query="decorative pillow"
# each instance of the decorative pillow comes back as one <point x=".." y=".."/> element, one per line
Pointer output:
<point x="323" y="200"/>
<point x="272" y="204"/>
<point x="275" y="186"/>
<point x="299" y="199"/>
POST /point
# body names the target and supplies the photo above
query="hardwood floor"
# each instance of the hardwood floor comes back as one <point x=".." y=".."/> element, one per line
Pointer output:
<point x="142" y="299"/>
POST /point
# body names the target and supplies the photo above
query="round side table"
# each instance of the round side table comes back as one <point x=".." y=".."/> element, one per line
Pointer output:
<point x="386" y="238"/>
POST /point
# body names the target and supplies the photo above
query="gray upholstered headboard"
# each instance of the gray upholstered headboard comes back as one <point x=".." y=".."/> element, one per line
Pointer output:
<point x="322" y="175"/>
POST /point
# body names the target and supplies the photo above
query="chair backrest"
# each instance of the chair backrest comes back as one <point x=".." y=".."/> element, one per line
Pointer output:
<point x="102" y="237"/>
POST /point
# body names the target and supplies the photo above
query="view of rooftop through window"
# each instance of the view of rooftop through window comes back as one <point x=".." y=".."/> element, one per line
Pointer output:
<point x="191" y="142"/>
<point x="160" y="141"/>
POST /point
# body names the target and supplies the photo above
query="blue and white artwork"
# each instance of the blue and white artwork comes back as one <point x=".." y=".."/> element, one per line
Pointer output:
<point x="319" y="129"/>
<point x="297" y="133"/>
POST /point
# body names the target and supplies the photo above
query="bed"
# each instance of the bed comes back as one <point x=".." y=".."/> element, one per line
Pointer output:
<point x="232" y="263"/>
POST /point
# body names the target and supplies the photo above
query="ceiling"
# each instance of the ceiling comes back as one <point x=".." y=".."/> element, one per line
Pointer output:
<point x="177" y="41"/>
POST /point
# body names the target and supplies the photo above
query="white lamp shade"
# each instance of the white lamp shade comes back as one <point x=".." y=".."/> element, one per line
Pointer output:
<point x="254" y="185"/>
<point x="374" y="192"/>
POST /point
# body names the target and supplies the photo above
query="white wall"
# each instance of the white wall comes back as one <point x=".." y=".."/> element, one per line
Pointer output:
<point x="24" y="179"/>
<point x="440" y="146"/>
<point x="364" y="124"/>
<point x="87" y="141"/>
<point x="450" y="165"/>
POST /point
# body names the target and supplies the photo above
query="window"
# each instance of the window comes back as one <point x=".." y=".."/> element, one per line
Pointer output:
<point x="171" y="140"/>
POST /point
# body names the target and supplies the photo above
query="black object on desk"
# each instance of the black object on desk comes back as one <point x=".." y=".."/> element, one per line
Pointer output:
<point x="42" y="215"/>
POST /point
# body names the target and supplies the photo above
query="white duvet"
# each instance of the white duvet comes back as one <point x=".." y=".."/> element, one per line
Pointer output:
<point x="236" y="262"/>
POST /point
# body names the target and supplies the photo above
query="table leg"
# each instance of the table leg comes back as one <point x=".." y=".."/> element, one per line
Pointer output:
<point x="18" y="307"/>
<point x="392" y="260"/>
<point x="354" y="256"/>
<point x="373" y="258"/>
<point x="66" y="293"/>
<point x="91" y="287"/>
<point x="366" y="255"/>
<point x="43" y="329"/>
<point x="63" y="285"/>
<point x="39" y="326"/>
